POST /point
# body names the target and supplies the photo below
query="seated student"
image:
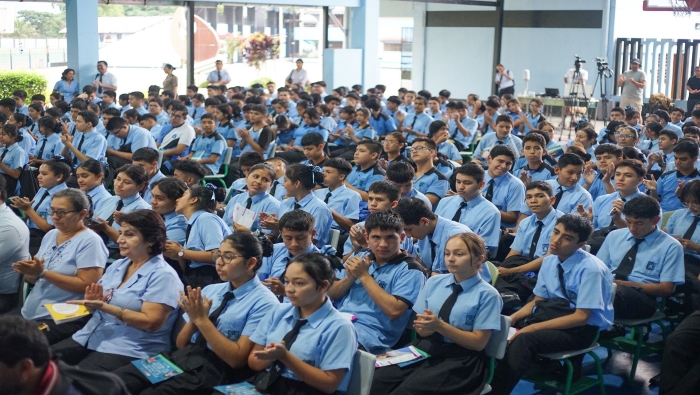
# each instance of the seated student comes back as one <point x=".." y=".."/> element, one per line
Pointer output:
<point x="213" y="347"/>
<point x="682" y="225"/>
<point x="285" y="129"/>
<point x="677" y="115"/>
<point x="90" y="176"/>
<point x="599" y="183"/>
<point x="439" y="133"/>
<point x="607" y="209"/>
<point x="256" y="197"/>
<point x="583" y="285"/>
<point x="587" y="137"/>
<point x="393" y="110"/>
<point x="294" y="152"/>
<point x="299" y="182"/>
<point x="292" y="364"/>
<point x="164" y="195"/>
<point x="429" y="180"/>
<point x="36" y="112"/>
<point x="692" y="132"/>
<point x="379" y="285"/>
<point x="403" y="176"/>
<point x="189" y="172"/>
<point x="87" y="143"/>
<point x="502" y="136"/>
<point x="20" y="121"/>
<point x="470" y="208"/>
<point x="434" y="108"/>
<point x="514" y="111"/>
<point x="533" y="167"/>
<point x="314" y="149"/>
<point x="178" y="140"/>
<point x="533" y="118"/>
<point x="462" y="129"/>
<point x="147" y="158"/>
<point x="245" y="162"/>
<point x="343" y="201"/>
<point x="367" y="169"/>
<point x="277" y="189"/>
<point x="456" y="315"/>
<point x="52" y="179"/>
<point x="394" y="144"/>
<point x="136" y="100"/>
<point x="685" y="156"/>
<point x="131" y="117"/>
<point x="382" y="123"/>
<point x="431" y="230"/>
<point x="353" y="135"/>
<point x="647" y="263"/>
<point x="150" y="123"/>
<point x="490" y="116"/>
<point x="205" y="233"/>
<point x="651" y="132"/>
<point x="208" y="148"/>
<point x="259" y="136"/>
<point x="155" y="108"/>
<point x="339" y="135"/>
<point x="501" y="188"/>
<point x="12" y="158"/>
<point x="123" y="141"/>
<point x="617" y="118"/>
<point x="49" y="143"/>
<point x="663" y="159"/>
<point x="416" y="123"/>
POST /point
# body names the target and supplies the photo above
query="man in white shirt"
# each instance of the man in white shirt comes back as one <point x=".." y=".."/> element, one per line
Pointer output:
<point x="104" y="80"/>
<point x="504" y="81"/>
<point x="572" y="78"/>
<point x="219" y="76"/>
<point x="14" y="246"/>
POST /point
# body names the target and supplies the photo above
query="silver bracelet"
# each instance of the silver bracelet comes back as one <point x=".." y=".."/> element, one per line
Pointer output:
<point x="41" y="275"/>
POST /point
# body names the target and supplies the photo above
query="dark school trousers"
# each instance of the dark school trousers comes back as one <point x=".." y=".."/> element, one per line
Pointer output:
<point x="57" y="333"/>
<point x="73" y="353"/>
<point x="680" y="364"/>
<point x="631" y="303"/>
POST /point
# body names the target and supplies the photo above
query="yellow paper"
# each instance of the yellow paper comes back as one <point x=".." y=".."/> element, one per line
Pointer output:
<point x="64" y="312"/>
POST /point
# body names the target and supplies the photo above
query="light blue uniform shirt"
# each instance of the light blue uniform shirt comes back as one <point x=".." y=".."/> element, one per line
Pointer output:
<point x="175" y="227"/>
<point x="489" y="129"/>
<point x="42" y="209"/>
<point x="68" y="90"/>
<point x="242" y="314"/>
<point x="138" y="137"/>
<point x="261" y="203"/>
<point x="340" y="127"/>
<point x="131" y="203"/>
<point x="413" y="193"/>
<point x="163" y="118"/>
<point x="14" y="157"/>
<point x="402" y="278"/>
<point x="95" y="146"/>
<point x="659" y="256"/>
<point x="141" y="110"/>
<point x="14" y="246"/>
<point x="526" y="232"/>
<point x="154" y="282"/>
<point x="208" y="231"/>
<point x="572" y="197"/>
<point x="148" y="194"/>
<point x="406" y="245"/>
<point x="99" y="194"/>
<point x="276" y="265"/>
<point x="27" y="142"/>
<point x="328" y="123"/>
<point x="478" y="307"/>
<point x="83" y="251"/>
<point x="255" y="135"/>
<point x="206" y="146"/>
<point x="344" y="201"/>
<point x="125" y="109"/>
<point x="328" y="341"/>
<point x="449" y="150"/>
<point x="277" y="190"/>
<point x="597" y="189"/>
<point x="383" y="125"/>
<point x="677" y="129"/>
<point x="417" y="122"/>
<point x="155" y="131"/>
<point x="432" y="182"/>
<point x="543" y="173"/>
<point x="470" y="124"/>
<point x="679" y="223"/>
<point x="197" y="112"/>
<point x="314" y="206"/>
<point x="602" y="207"/>
<point x="479" y="214"/>
<point x="666" y="188"/>
<point x="533" y="120"/>
<point x="392" y="114"/>
<point x="444" y="229"/>
<point x="301" y="131"/>
<point x="53" y="147"/>
<point x="588" y="285"/>
<point x="490" y="140"/>
<point x="508" y="194"/>
<point x="363" y="179"/>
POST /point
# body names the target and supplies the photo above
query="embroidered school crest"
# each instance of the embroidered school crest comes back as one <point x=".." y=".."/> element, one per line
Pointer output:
<point x="470" y="320"/>
<point x="651" y="265"/>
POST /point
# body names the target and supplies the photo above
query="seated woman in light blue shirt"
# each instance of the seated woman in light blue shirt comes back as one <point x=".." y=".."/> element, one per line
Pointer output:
<point x="205" y="231"/>
<point x="12" y="157"/>
<point x="49" y="144"/>
<point x="257" y="198"/>
<point x="227" y="336"/>
<point x="325" y="366"/>
<point x="90" y="175"/>
<point x="456" y="340"/>
<point x="67" y="85"/>
<point x="134" y="304"/>
<point x="52" y="178"/>
<point x="131" y="180"/>
<point x="71" y="258"/>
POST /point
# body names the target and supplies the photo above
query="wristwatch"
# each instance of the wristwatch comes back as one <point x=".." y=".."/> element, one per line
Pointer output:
<point x="181" y="253"/>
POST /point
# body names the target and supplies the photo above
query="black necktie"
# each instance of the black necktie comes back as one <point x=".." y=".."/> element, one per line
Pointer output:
<point x="535" y="239"/>
<point x="274" y="188"/>
<point x="201" y="341"/>
<point x="297" y="206"/>
<point x="562" y="283"/>
<point x="627" y="263"/>
<point x="489" y="191"/>
<point x="41" y="150"/>
<point x="415" y="118"/>
<point x="99" y="88"/>
<point x="218" y="73"/>
<point x="249" y="203"/>
<point x="560" y="193"/>
<point x="458" y="214"/>
<point x="328" y="196"/>
<point x="446" y="308"/>
<point x="432" y="253"/>
<point x="46" y="194"/>
<point x="689" y="233"/>
<point x="277" y="366"/>
<point x="17" y="110"/>
<point x="3" y="154"/>
<point x="120" y="205"/>
<point x="651" y="144"/>
<point x="187" y="232"/>
<point x="80" y="144"/>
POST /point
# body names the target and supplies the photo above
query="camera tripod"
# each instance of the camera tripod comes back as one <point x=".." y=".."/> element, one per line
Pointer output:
<point x="603" y="74"/>
<point x="573" y="102"/>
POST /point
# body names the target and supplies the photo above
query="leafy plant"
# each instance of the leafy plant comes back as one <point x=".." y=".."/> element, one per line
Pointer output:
<point x="259" y="47"/>
<point x="262" y="81"/>
<point x="10" y="81"/>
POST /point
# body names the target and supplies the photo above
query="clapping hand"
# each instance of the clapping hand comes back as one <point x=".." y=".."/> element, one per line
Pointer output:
<point x="195" y="304"/>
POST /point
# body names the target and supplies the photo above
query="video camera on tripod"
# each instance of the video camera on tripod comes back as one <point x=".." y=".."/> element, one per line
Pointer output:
<point x="578" y="61"/>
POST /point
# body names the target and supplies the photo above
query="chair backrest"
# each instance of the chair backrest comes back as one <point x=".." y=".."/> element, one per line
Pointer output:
<point x="362" y="373"/>
<point x="664" y="218"/>
<point x="496" y="347"/>
<point x="227" y="156"/>
<point x="335" y="238"/>
<point x="493" y="271"/>
<point x="613" y="290"/>
<point x="271" y="150"/>
<point x="160" y="158"/>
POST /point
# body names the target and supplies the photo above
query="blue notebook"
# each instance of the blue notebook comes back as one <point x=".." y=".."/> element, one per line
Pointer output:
<point x="243" y="388"/>
<point x="157" y="369"/>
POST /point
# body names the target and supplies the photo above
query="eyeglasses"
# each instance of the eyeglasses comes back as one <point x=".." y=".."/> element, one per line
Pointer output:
<point x="175" y="116"/>
<point x="225" y="258"/>
<point x="60" y="213"/>
<point x="419" y="148"/>
<point x="692" y="205"/>
<point x="624" y="136"/>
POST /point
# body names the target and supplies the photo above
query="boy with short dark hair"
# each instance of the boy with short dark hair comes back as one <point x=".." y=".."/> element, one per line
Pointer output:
<point x="259" y="136"/>
<point x="429" y="180"/>
<point x="209" y="147"/>
<point x="534" y="168"/>
<point x="277" y="190"/>
<point x="417" y="122"/>
<point x="367" y="169"/>
<point x="314" y="146"/>
<point x="462" y="128"/>
<point x="503" y="125"/>
<point x="147" y="158"/>
<point x="501" y="188"/>
<point x="599" y="183"/>
<point x="490" y="117"/>
<point x="663" y="160"/>
<point x="343" y="202"/>
<point x="664" y="190"/>
<point x="20" y="96"/>
<point x="677" y="115"/>
<point x="189" y="172"/>
<point x="403" y="176"/>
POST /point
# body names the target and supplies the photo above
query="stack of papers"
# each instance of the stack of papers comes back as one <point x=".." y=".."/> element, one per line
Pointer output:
<point x="64" y="312"/>
<point x="401" y="357"/>
<point x="243" y="216"/>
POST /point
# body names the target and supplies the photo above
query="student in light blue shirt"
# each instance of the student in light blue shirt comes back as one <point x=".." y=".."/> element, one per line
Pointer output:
<point x="392" y="109"/>
<point x="124" y="140"/>
<point x="534" y="117"/>
<point x="470" y="208"/>
<point x="164" y="194"/>
<point x="12" y="157"/>
<point x="417" y="123"/>
<point x="28" y="142"/>
<point x="382" y="123"/>
<point x="136" y="100"/>
<point x="309" y="277"/>
<point x="147" y="158"/>
<point x="664" y="190"/>
<point x="501" y="188"/>
<point x="277" y="189"/>
<point x="568" y="273"/>
<point x="663" y="159"/>
<point x="343" y="201"/>
<point x="439" y="133"/>
<point x="259" y="136"/>
<point x="657" y="267"/>
<point x="87" y="144"/>
<point x="607" y="209"/>
<point x="367" y="169"/>
<point x="198" y="107"/>
<point x="682" y="225"/>
<point x="502" y="136"/>
<point x="429" y="180"/>
<point x="140" y="289"/>
<point x="490" y="117"/>
<point x="380" y="284"/>
<point x="462" y="128"/>
<point x="209" y="147"/>
<point x="607" y="156"/>
<point x="532" y="166"/>
<point x="432" y="231"/>
<point x="49" y="143"/>
<point x="476" y="312"/>
<point x="434" y="108"/>
<point x="89" y="176"/>
<point x="257" y="198"/>
<point x="341" y="135"/>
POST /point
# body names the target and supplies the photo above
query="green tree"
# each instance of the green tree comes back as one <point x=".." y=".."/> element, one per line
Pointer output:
<point x="110" y="10"/>
<point x="23" y="30"/>
<point x="47" y="24"/>
<point x="136" y="10"/>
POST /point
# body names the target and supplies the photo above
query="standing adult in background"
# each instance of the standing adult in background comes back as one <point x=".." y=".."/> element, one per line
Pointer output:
<point x="297" y="76"/>
<point x="632" y="83"/>
<point x="104" y="80"/>
<point x="67" y="85"/>
<point x="504" y="81"/>
<point x="219" y="76"/>
<point x="170" y="82"/>
<point x="693" y="87"/>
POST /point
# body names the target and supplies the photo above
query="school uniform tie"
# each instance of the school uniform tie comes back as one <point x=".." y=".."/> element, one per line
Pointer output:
<point x="559" y="195"/>
<point x="120" y="205"/>
<point x="627" y="262"/>
<point x="249" y="203"/>
<point x="46" y="194"/>
<point x="80" y="144"/>
<point x="187" y="232"/>
<point x="41" y="150"/>
<point x="99" y="88"/>
<point x="562" y="283"/>
<point x="415" y="118"/>
<point x="201" y="341"/>
<point x="432" y="251"/>
<point x="446" y="308"/>
<point x="289" y="339"/>
<point x="3" y="154"/>
<point x="328" y="197"/>
<point x="689" y="233"/>
<point x="651" y="144"/>
<point x="489" y="191"/>
<point x="218" y="73"/>
<point x="297" y="206"/>
<point x="458" y="214"/>
<point x="274" y="188"/>
<point x="535" y="239"/>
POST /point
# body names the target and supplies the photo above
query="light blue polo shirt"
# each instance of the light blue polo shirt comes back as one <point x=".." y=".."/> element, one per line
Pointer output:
<point x="406" y="245"/>
<point x="99" y="195"/>
<point x="250" y="304"/>
<point x="95" y="146"/>
<point x="131" y="203"/>
<point x="301" y="131"/>
<point x="276" y="265"/>
<point x="478" y="307"/>
<point x="208" y="231"/>
<point x="572" y="197"/>
<point x="444" y="229"/>
<point x="488" y="141"/>
<point x="68" y="90"/>
<point x="526" y="232"/>
<point x="679" y="223"/>
<point x="332" y="335"/>
<point x="138" y="138"/>
<point x="154" y="282"/>
<point x="42" y="209"/>
<point x="175" y="227"/>
<point x="666" y="188"/>
<point x="588" y="285"/>
<point x="344" y="201"/>
<point x="402" y="278"/>
<point x="432" y="182"/>
<point x="53" y="147"/>
<point x="206" y="146"/>
<point x="449" y="150"/>
<point x="383" y="125"/>
<point x="659" y="256"/>
<point x="14" y="157"/>
<point x="363" y="179"/>
<point x="508" y="194"/>
<point x="148" y="194"/>
<point x="413" y="193"/>
<point x="597" y="189"/>
<point x="163" y="118"/>
<point x="479" y="214"/>
<point x="602" y="207"/>
<point x="255" y="135"/>
<point x="543" y="173"/>
<point x="329" y="123"/>
<point x="261" y="203"/>
<point x="392" y="114"/>
<point x="314" y="206"/>
<point x="470" y="124"/>
<point x="417" y="122"/>
<point x="82" y="251"/>
<point x="198" y="111"/>
<point x="533" y="120"/>
<point x="155" y="132"/>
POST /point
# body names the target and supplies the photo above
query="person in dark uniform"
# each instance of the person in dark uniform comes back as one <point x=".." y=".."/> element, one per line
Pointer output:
<point x="693" y="87"/>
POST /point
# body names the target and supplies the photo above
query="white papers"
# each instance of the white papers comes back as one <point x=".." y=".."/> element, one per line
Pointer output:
<point x="511" y="332"/>
<point x="395" y="357"/>
<point x="243" y="216"/>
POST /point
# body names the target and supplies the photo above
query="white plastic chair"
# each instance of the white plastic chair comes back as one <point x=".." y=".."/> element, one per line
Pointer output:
<point x="335" y="238"/>
<point x="362" y="373"/>
<point x="496" y="349"/>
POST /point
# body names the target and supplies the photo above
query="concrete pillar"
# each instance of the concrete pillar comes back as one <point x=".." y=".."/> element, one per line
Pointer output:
<point x="83" y="39"/>
<point x="418" y="46"/>
<point x="363" y="34"/>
